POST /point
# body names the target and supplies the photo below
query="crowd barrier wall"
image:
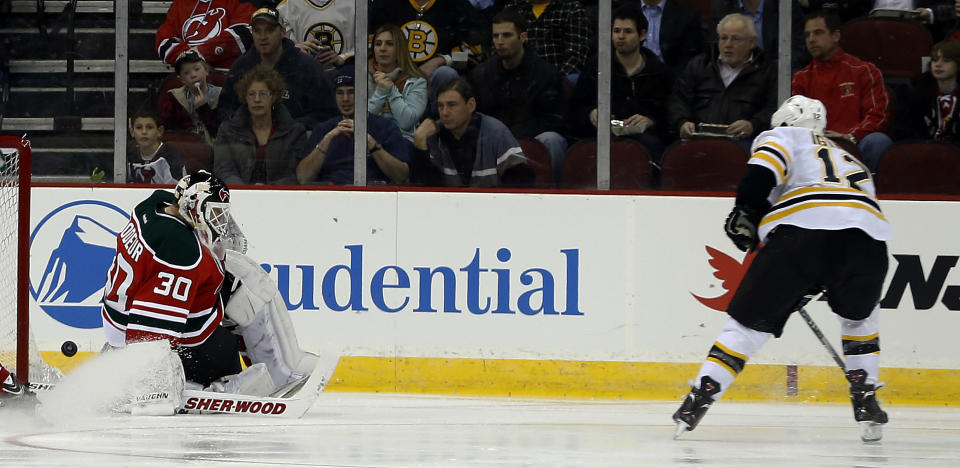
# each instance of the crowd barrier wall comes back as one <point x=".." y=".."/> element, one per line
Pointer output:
<point x="553" y="295"/>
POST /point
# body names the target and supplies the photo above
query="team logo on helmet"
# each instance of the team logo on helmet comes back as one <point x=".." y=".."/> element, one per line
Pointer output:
<point x="421" y="40"/>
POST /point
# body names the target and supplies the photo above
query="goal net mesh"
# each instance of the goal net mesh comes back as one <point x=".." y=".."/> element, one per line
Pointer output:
<point x="10" y="282"/>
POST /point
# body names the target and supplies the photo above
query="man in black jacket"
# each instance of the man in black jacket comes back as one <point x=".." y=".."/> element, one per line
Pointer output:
<point x="309" y="96"/>
<point x="639" y="84"/>
<point x="738" y="89"/>
<point x="521" y="89"/>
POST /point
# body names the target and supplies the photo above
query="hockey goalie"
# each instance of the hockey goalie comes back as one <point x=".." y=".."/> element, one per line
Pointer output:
<point x="180" y="276"/>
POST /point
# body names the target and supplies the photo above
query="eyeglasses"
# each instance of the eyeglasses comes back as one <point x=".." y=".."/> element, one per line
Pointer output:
<point x="258" y="94"/>
<point x="726" y="38"/>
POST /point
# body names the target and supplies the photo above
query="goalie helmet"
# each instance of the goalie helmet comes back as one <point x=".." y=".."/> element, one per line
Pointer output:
<point x="801" y="111"/>
<point x="204" y="201"/>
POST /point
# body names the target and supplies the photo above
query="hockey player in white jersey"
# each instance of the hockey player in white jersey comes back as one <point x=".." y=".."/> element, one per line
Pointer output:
<point x="814" y="208"/>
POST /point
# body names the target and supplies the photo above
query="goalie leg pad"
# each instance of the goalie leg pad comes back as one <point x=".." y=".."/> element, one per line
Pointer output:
<point x="254" y="380"/>
<point x="262" y="320"/>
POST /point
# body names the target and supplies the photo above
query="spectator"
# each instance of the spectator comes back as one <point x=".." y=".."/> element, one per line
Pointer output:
<point x="639" y="84"/>
<point x="149" y="160"/>
<point x="736" y="86"/>
<point x="674" y="34"/>
<point x="324" y="33"/>
<point x="766" y="16"/>
<point x="937" y="15"/>
<point x="261" y="143"/>
<point x="851" y="89"/>
<point x="192" y="107"/>
<point x="435" y="32"/>
<point x="330" y="160"/>
<point x="467" y="148"/>
<point x="935" y="97"/>
<point x="217" y="29"/>
<point x="398" y="88"/>
<point x="309" y="97"/>
<point x="559" y="32"/>
<point x="520" y="89"/>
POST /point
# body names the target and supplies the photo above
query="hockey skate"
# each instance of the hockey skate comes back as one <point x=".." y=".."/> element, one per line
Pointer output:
<point x="866" y="409"/>
<point x="16" y="396"/>
<point x="695" y="405"/>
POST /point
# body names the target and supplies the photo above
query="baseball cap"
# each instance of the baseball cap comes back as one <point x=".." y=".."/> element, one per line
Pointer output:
<point x="344" y="78"/>
<point x="187" y="56"/>
<point x="270" y="15"/>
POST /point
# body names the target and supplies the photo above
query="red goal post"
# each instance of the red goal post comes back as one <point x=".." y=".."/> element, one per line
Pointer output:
<point x="15" y="346"/>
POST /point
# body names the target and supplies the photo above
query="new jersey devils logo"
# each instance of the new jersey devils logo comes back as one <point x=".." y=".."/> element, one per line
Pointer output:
<point x="730" y="272"/>
<point x="198" y="29"/>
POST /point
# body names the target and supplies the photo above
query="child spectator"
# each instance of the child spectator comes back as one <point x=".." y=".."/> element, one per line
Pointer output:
<point x="149" y="161"/>
<point x="935" y="97"/>
<point x="192" y="107"/>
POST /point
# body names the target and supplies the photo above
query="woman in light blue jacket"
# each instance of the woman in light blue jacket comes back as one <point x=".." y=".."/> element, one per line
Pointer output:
<point x="399" y="88"/>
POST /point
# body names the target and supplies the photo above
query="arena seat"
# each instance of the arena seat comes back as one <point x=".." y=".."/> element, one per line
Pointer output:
<point x="895" y="46"/>
<point x="703" y="165"/>
<point x="919" y="168"/>
<point x="194" y="153"/>
<point x="629" y="165"/>
<point x="539" y="158"/>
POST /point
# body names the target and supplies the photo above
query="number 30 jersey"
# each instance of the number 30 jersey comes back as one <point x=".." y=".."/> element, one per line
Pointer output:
<point x="819" y="184"/>
<point x="163" y="283"/>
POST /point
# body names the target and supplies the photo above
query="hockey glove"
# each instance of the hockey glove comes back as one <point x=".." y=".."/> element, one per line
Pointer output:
<point x="741" y="228"/>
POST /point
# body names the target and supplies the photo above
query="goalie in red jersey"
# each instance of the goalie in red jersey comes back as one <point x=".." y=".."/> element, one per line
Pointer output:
<point x="167" y="283"/>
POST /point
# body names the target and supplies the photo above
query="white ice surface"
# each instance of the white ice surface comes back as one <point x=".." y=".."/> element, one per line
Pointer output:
<point x="386" y="430"/>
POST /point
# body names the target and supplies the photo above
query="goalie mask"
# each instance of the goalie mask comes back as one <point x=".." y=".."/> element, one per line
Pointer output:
<point x="801" y="111"/>
<point x="205" y="203"/>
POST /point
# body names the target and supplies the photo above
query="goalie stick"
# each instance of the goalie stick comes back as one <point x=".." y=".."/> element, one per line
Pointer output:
<point x="290" y="401"/>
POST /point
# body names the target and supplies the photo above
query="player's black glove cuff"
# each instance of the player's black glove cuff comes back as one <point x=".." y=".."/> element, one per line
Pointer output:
<point x="741" y="228"/>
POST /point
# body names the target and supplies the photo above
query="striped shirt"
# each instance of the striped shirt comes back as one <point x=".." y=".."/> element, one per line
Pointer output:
<point x="819" y="184"/>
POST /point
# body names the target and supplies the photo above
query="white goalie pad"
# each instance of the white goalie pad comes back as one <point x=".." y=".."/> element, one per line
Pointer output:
<point x="254" y="380"/>
<point x="264" y="323"/>
<point x="142" y="379"/>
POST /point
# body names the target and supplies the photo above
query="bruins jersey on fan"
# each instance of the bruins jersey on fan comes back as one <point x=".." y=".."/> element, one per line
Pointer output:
<point x="331" y="19"/>
<point x="819" y="184"/>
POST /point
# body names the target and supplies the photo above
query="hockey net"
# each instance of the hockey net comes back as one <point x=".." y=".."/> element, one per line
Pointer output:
<point x="18" y="348"/>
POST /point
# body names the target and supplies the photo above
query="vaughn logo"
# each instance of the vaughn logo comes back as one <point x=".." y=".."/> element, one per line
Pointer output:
<point x="70" y="251"/>
<point x="928" y="285"/>
<point x="481" y="286"/>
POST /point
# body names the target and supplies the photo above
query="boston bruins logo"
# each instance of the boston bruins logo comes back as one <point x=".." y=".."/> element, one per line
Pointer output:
<point x="321" y="4"/>
<point x="327" y="34"/>
<point x="421" y="39"/>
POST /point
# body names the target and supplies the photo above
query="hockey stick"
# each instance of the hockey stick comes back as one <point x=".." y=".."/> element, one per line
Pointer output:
<point x="306" y="393"/>
<point x="815" y="329"/>
<point x="823" y="340"/>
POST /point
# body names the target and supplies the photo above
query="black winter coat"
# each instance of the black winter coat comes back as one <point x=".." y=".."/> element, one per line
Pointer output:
<point x="699" y="95"/>
<point x="642" y="93"/>
<point x="528" y="99"/>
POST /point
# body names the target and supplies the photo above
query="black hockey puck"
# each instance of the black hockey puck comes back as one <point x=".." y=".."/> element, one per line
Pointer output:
<point x="68" y="348"/>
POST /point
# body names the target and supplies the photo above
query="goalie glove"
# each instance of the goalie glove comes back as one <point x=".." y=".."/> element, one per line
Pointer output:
<point x="741" y="228"/>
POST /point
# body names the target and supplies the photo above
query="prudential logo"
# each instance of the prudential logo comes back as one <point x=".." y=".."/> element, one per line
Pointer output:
<point x="70" y="251"/>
